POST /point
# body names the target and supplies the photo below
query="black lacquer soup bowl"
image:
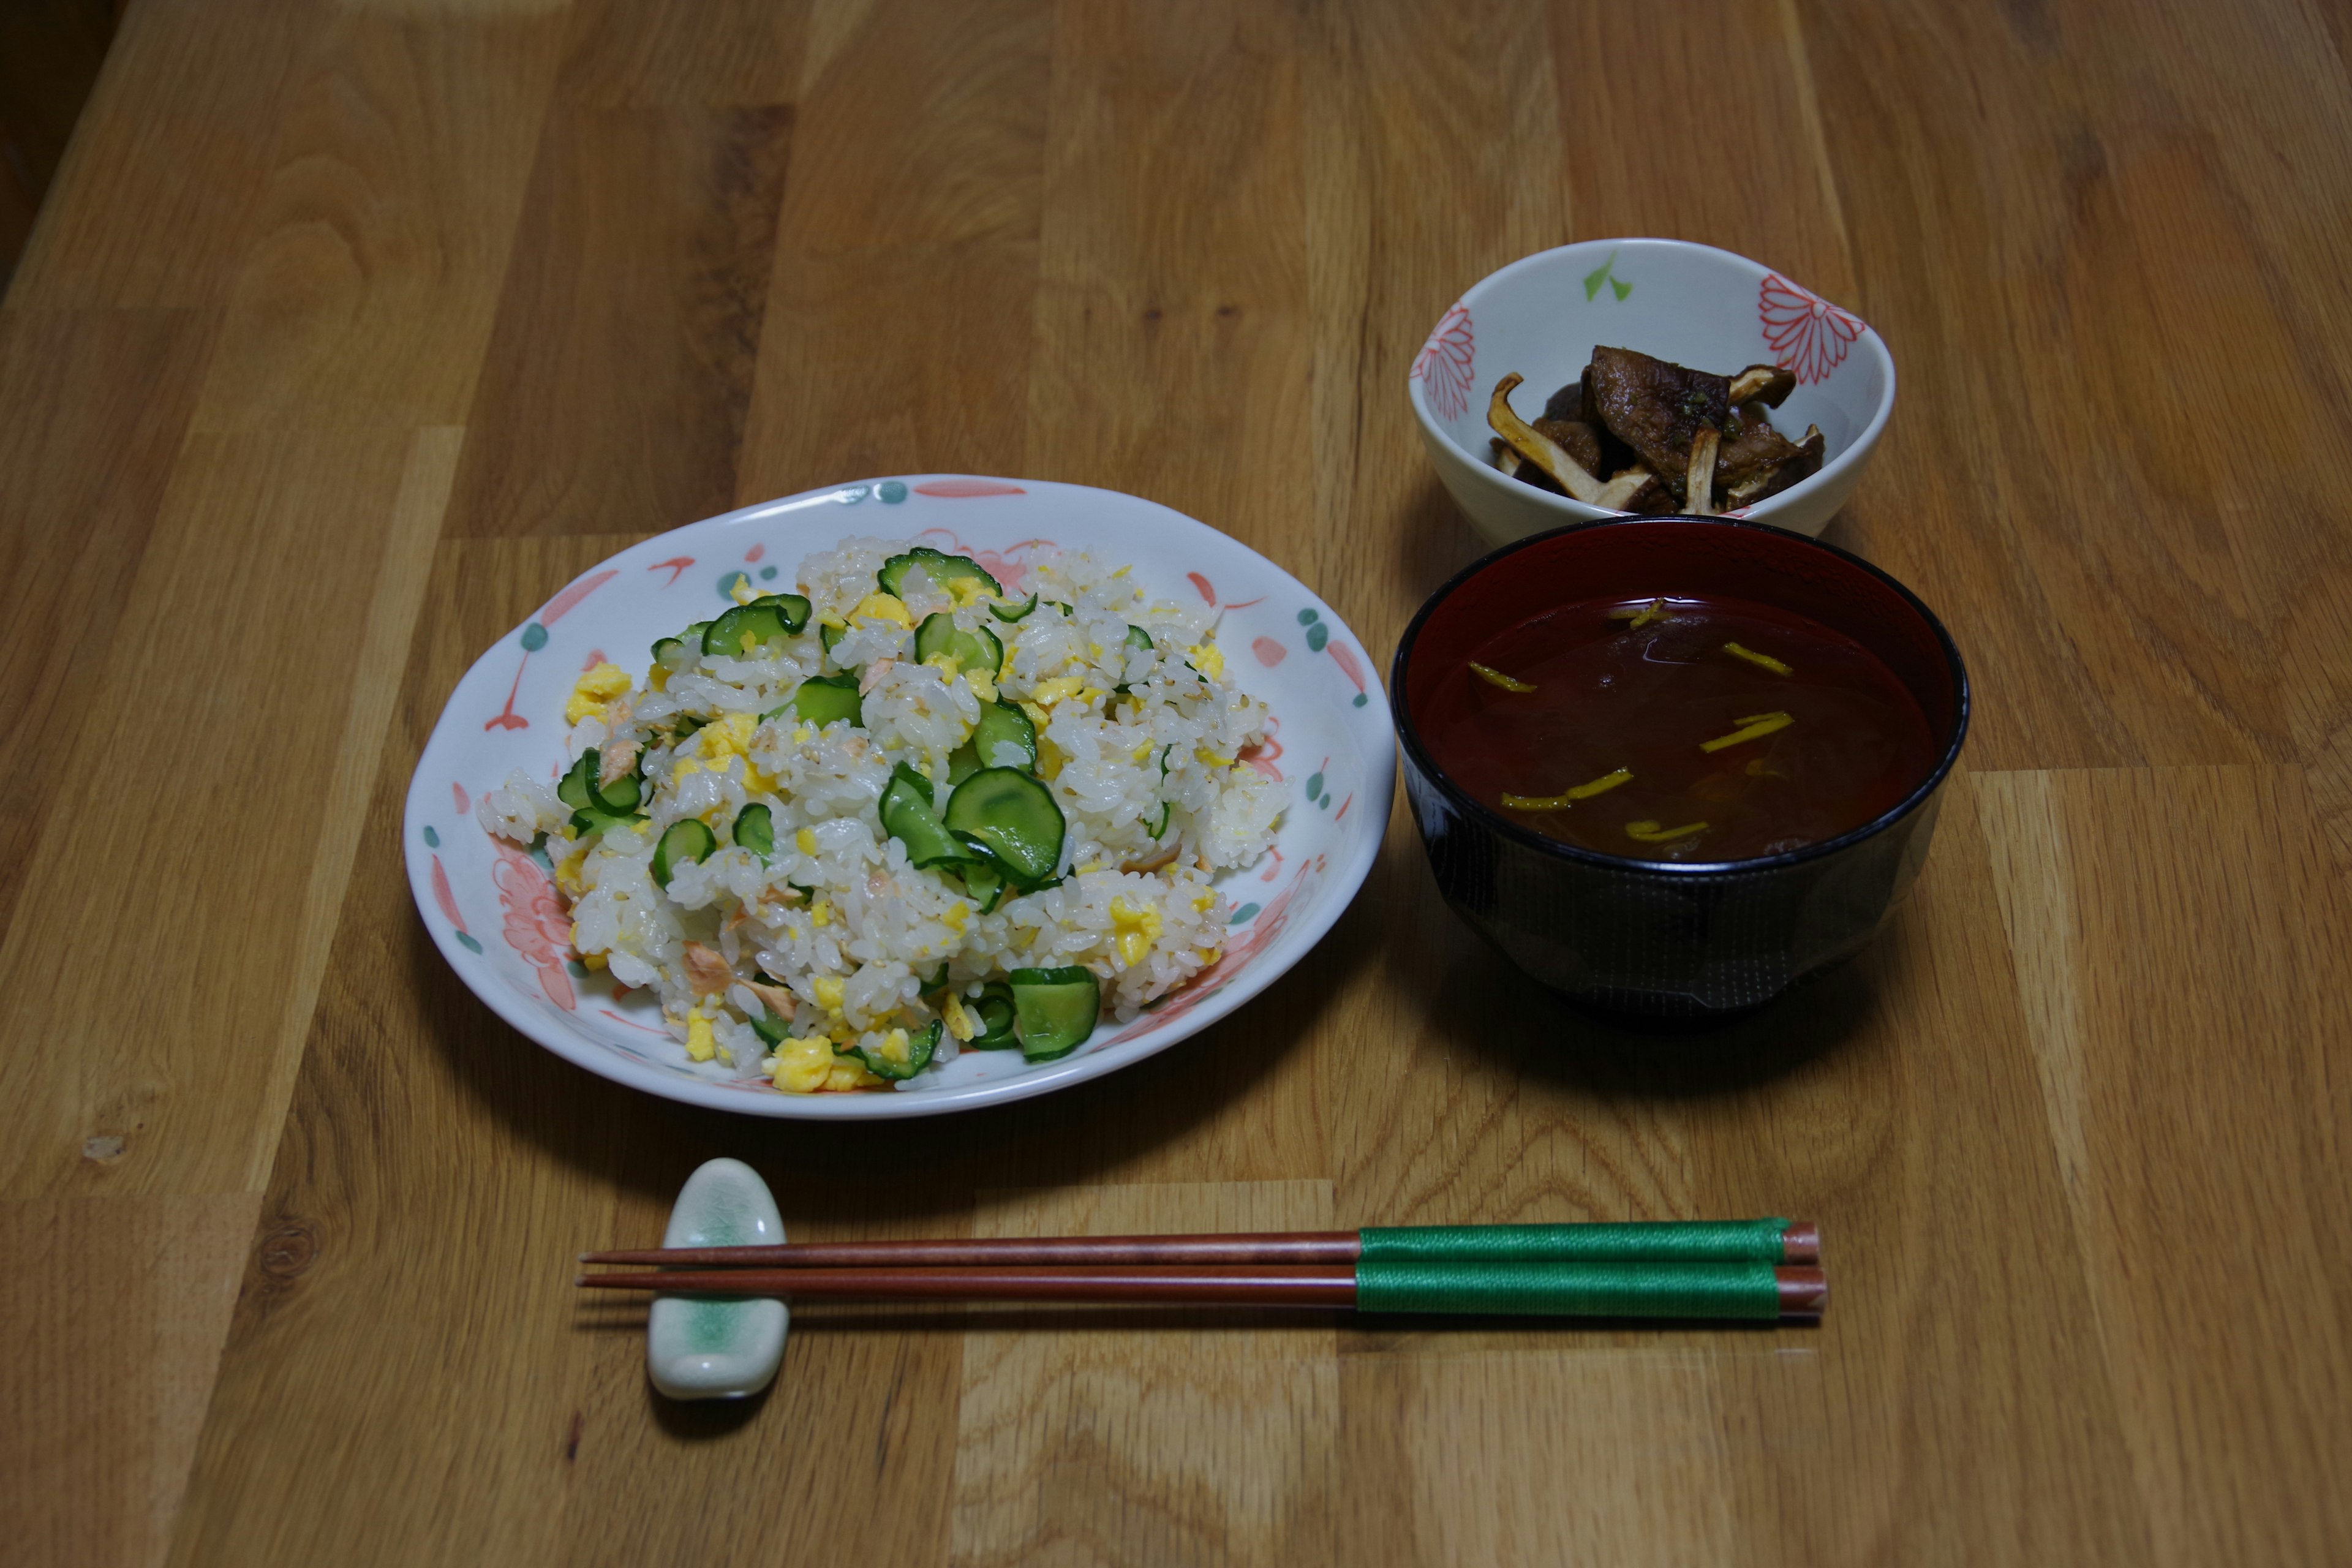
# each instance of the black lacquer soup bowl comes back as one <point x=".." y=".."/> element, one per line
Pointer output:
<point x="1666" y="941"/>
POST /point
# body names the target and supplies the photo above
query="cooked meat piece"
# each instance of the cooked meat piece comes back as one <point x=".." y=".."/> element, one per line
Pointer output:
<point x="1615" y="456"/>
<point x="1804" y="460"/>
<point x="1656" y="408"/>
<point x="1765" y="384"/>
<point x="1750" y="445"/>
<point x="1576" y="439"/>
<point x="1568" y="402"/>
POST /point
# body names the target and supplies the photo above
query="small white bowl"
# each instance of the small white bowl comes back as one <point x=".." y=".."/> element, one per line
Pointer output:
<point x="1543" y="315"/>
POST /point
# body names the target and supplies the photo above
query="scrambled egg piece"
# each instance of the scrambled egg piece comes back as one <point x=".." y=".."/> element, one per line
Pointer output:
<point x="700" y="1044"/>
<point x="567" y="871"/>
<point x="742" y="593"/>
<point x="593" y="693"/>
<point x="1049" y="692"/>
<point x="883" y="608"/>
<point x="983" y="684"/>
<point x="1208" y="658"/>
<point x="820" y="915"/>
<point x="960" y="1023"/>
<point x="895" y="1048"/>
<point x="966" y="591"/>
<point x="958" y="913"/>
<point x="1137" y="926"/>
<point x="947" y="664"/>
<point x="807" y="1065"/>
<point x="827" y="991"/>
<point x="805" y="841"/>
<point x="731" y="736"/>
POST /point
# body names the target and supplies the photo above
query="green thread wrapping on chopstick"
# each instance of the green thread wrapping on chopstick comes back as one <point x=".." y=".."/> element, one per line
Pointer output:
<point x="1569" y="1290"/>
<point x="1654" y="1241"/>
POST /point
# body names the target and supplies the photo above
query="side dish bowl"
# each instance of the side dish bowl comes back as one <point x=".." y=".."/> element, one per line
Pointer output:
<point x="495" y="912"/>
<point x="1543" y="315"/>
<point x="1664" y="939"/>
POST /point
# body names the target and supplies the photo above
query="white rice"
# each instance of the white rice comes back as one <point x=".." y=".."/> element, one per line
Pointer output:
<point x="859" y="955"/>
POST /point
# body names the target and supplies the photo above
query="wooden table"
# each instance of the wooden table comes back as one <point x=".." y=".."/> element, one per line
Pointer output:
<point x="352" y="333"/>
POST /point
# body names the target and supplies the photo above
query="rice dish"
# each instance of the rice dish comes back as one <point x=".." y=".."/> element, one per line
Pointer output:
<point x="910" y="810"/>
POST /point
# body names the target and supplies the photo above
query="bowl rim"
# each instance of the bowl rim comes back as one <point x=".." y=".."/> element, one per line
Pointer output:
<point x="1409" y="741"/>
<point x="1856" y="451"/>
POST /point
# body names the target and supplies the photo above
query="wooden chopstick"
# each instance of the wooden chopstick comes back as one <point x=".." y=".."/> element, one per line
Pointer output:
<point x="1802" y="1291"/>
<point x="1799" y="1245"/>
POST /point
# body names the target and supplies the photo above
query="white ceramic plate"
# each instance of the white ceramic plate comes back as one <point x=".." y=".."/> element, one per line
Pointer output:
<point x="1543" y="315"/>
<point x="494" y="910"/>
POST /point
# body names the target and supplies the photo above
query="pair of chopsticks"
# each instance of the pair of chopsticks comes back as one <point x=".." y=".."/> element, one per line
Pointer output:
<point x="1767" y="1268"/>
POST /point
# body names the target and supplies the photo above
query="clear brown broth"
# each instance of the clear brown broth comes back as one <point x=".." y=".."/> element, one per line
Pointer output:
<point x="1610" y="695"/>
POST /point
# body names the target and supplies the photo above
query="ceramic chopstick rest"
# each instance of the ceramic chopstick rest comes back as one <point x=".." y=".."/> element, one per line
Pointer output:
<point x="701" y="1348"/>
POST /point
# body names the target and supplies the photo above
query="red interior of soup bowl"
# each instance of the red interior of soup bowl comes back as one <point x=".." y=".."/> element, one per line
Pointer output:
<point x="1638" y="557"/>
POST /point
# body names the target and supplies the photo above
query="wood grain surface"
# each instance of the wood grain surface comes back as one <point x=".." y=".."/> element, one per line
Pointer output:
<point x="349" y="331"/>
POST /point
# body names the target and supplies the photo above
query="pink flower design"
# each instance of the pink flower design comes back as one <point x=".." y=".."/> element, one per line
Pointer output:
<point x="1445" y="362"/>
<point x="444" y="897"/>
<point x="675" y="566"/>
<point x="1009" y="566"/>
<point x="1345" y="661"/>
<point x="1269" y="652"/>
<point x="537" y="927"/>
<point x="960" y="489"/>
<point x="1808" y="336"/>
<point x="560" y="606"/>
<point x="1262" y="755"/>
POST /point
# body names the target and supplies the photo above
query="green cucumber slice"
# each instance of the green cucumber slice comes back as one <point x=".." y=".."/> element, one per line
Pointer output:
<point x="828" y="698"/>
<point x="907" y="816"/>
<point x="620" y="797"/>
<point x="765" y="619"/>
<point x="670" y="653"/>
<point x="1054" y="1010"/>
<point x="685" y="839"/>
<point x="592" y="820"/>
<point x="994" y="1012"/>
<point x="827" y="635"/>
<point x="921" y="1043"/>
<point x="939" y="634"/>
<point x="1000" y="724"/>
<point x="792" y="607"/>
<point x="1159" y="827"/>
<point x="985" y="884"/>
<point x="772" y="1031"/>
<point x="941" y="568"/>
<point x="1137" y="638"/>
<point x="577" y="788"/>
<point x="755" y="830"/>
<point x="1013" y="614"/>
<point x="1012" y="816"/>
<point x="687" y="724"/>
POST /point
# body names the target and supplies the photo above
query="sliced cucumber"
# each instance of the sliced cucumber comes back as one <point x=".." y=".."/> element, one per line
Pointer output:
<point x="772" y="1031"/>
<point x="1014" y="613"/>
<point x="577" y="789"/>
<point x="941" y="568"/>
<point x="828" y="635"/>
<point x="793" y="607"/>
<point x="1054" y="1010"/>
<point x="742" y="630"/>
<point x="670" y="653"/>
<point x="827" y="698"/>
<point x="1000" y="724"/>
<point x="907" y="816"/>
<point x="1137" y="638"/>
<point x="939" y="634"/>
<point x="1159" y="827"/>
<point x="1012" y="816"/>
<point x="620" y="797"/>
<point x="755" y="830"/>
<point x="592" y="820"/>
<point x="685" y="839"/>
<point x="921" y="1043"/>
<point x="985" y="884"/>
<point x="994" y="1012"/>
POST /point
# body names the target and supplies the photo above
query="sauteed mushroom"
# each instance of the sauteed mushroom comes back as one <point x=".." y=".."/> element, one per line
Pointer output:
<point x="1666" y="434"/>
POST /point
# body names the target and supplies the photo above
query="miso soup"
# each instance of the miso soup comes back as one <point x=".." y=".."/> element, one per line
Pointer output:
<point x="1677" y="728"/>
